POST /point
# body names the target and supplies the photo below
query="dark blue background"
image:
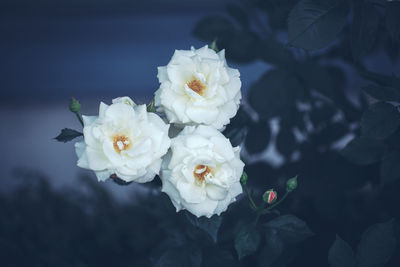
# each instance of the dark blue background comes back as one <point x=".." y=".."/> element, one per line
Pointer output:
<point x="92" y="50"/>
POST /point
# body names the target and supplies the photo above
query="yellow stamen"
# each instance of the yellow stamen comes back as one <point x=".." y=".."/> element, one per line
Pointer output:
<point x="201" y="172"/>
<point x="197" y="86"/>
<point x="121" y="142"/>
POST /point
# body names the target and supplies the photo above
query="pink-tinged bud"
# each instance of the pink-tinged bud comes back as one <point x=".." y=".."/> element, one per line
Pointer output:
<point x="270" y="196"/>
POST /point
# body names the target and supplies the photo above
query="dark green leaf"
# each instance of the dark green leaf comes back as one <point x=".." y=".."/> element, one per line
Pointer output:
<point x="380" y="120"/>
<point x="390" y="167"/>
<point x="237" y="12"/>
<point x="235" y="135"/>
<point x="363" y="150"/>
<point x="286" y="141"/>
<point x="377" y="245"/>
<point x="275" y="93"/>
<point x="183" y="256"/>
<point x="119" y="181"/>
<point x="393" y="141"/>
<point x="241" y="47"/>
<point x="278" y="12"/>
<point x="392" y="48"/>
<point x="247" y="240"/>
<point x="381" y="79"/>
<point x="322" y="114"/>
<point x="393" y="19"/>
<point x="274" y="246"/>
<point x="313" y="24"/>
<point x="214" y="257"/>
<point x="395" y="82"/>
<point x="67" y="135"/>
<point x="236" y="129"/>
<point x="209" y="225"/>
<point x="257" y="138"/>
<point x="290" y="228"/>
<point x="331" y="133"/>
<point x="316" y="77"/>
<point x="341" y="255"/>
<point x="363" y="30"/>
<point x="273" y="52"/>
<point x="215" y="28"/>
<point x="385" y="93"/>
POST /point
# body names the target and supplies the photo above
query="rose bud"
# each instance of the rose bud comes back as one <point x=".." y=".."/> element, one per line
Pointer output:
<point x="291" y="184"/>
<point x="270" y="196"/>
<point x="74" y="105"/>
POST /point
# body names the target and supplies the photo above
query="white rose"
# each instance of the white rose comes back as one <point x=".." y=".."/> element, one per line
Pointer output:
<point x="197" y="87"/>
<point x="124" y="99"/>
<point x="202" y="171"/>
<point x="124" y="140"/>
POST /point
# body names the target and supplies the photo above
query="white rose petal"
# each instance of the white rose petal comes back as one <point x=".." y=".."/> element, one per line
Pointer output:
<point x="124" y="140"/>
<point x="202" y="171"/>
<point x="197" y="87"/>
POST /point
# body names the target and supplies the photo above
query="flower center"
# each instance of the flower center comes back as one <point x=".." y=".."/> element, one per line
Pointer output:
<point x="197" y="86"/>
<point x="201" y="172"/>
<point x="121" y="142"/>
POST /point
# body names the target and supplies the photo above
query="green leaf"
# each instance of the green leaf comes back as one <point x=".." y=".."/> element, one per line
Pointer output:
<point x="215" y="28"/>
<point x="215" y="257"/>
<point x="313" y="24"/>
<point x="363" y="150"/>
<point x="390" y="167"/>
<point x="67" y="135"/>
<point x="118" y="180"/>
<point x="236" y="129"/>
<point x="241" y="47"/>
<point x="381" y="79"/>
<point x="275" y="93"/>
<point x="384" y="93"/>
<point x="151" y="106"/>
<point x="237" y="12"/>
<point x="290" y="228"/>
<point x="286" y="141"/>
<point x="244" y="178"/>
<point x="380" y="120"/>
<point x="273" y="248"/>
<point x="392" y="48"/>
<point x="322" y="114"/>
<point x="209" y="225"/>
<point x="341" y="255"/>
<point x="214" y="46"/>
<point x="330" y="133"/>
<point x="278" y="12"/>
<point x="392" y="20"/>
<point x="393" y="141"/>
<point x="247" y="240"/>
<point x="182" y="256"/>
<point x="273" y="52"/>
<point x="258" y="137"/>
<point x="316" y="77"/>
<point x="363" y="30"/>
<point x="377" y="245"/>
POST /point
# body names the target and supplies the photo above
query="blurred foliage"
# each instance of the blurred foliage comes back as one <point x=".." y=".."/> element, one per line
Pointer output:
<point x="41" y="226"/>
<point x="341" y="140"/>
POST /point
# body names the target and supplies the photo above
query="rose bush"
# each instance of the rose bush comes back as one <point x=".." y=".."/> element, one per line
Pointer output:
<point x="202" y="171"/>
<point x="124" y="140"/>
<point x="197" y="87"/>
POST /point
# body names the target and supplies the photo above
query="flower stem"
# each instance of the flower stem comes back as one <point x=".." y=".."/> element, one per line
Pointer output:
<point x="265" y="211"/>
<point x="251" y="201"/>
<point x="79" y="118"/>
